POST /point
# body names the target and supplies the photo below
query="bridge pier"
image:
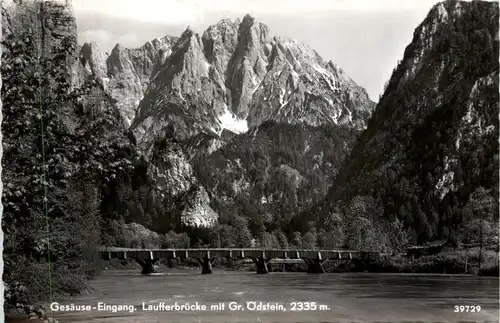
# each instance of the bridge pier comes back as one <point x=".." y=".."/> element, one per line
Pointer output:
<point x="147" y="265"/>
<point x="314" y="266"/>
<point x="261" y="265"/>
<point x="261" y="257"/>
<point x="206" y="264"/>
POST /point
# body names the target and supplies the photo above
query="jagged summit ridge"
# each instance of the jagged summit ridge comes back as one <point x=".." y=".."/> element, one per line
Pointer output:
<point x="125" y="72"/>
<point x="235" y="75"/>
<point x="237" y="69"/>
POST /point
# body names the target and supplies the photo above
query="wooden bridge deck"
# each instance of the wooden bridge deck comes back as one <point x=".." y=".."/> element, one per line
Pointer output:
<point x="124" y="253"/>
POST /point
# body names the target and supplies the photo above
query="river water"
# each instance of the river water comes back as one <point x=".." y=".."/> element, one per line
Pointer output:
<point x="345" y="297"/>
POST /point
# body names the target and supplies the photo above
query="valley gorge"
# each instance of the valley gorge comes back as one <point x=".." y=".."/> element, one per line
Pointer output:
<point x="239" y="138"/>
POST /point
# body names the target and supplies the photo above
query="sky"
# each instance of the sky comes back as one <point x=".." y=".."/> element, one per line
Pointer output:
<point x="365" y="38"/>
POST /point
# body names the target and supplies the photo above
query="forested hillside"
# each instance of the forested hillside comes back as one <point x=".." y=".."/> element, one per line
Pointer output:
<point x="429" y="157"/>
<point x="273" y="172"/>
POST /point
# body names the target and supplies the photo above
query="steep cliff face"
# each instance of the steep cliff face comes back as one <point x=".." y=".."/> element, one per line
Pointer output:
<point x="125" y="72"/>
<point x="130" y="72"/>
<point x="172" y="172"/>
<point x="184" y="97"/>
<point x="302" y="88"/>
<point x="237" y="76"/>
<point x="433" y="138"/>
<point x="93" y="60"/>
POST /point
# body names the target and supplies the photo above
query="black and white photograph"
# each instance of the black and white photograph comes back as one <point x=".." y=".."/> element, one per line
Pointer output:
<point x="250" y="161"/>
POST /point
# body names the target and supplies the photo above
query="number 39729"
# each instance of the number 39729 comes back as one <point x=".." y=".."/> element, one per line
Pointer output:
<point x="467" y="308"/>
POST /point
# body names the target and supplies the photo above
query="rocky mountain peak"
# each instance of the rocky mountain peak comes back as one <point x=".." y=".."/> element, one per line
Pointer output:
<point x="233" y="76"/>
<point x="248" y="20"/>
<point x="441" y="18"/>
<point x="222" y="25"/>
<point x="160" y="43"/>
<point x="126" y="72"/>
<point x="117" y="63"/>
<point x="189" y="41"/>
<point x="187" y="34"/>
<point x="93" y="59"/>
<point x="424" y="37"/>
<point x="219" y="42"/>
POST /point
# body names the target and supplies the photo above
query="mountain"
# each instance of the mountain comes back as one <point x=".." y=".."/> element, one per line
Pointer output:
<point x="431" y="146"/>
<point x="235" y="76"/>
<point x="126" y="72"/>
<point x="187" y="97"/>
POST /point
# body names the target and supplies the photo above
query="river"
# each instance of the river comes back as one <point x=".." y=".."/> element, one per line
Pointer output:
<point x="343" y="297"/>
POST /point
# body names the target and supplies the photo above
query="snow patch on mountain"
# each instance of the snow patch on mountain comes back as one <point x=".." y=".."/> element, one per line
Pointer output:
<point x="231" y="122"/>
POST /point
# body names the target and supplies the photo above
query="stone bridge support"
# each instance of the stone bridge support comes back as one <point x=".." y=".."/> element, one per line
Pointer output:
<point x="147" y="265"/>
<point x="261" y="264"/>
<point x="261" y="257"/>
<point x="206" y="264"/>
<point x="314" y="265"/>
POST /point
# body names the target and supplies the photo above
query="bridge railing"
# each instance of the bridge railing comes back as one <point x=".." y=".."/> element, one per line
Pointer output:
<point x="228" y="249"/>
<point x="125" y="253"/>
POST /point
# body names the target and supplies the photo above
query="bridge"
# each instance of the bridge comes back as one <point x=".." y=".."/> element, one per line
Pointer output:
<point x="261" y="257"/>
